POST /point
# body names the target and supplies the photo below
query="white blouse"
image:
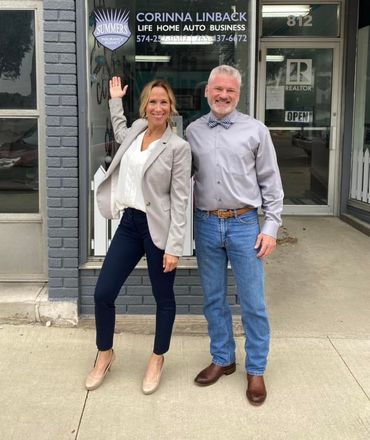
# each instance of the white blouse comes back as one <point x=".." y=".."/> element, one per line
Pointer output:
<point x="129" y="188"/>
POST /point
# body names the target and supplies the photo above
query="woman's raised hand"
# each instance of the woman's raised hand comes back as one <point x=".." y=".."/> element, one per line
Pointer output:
<point x="115" y="88"/>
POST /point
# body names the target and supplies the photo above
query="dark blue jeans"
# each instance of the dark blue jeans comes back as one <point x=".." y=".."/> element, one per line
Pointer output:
<point x="130" y="243"/>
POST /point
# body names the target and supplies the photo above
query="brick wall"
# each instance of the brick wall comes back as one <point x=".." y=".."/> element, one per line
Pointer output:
<point x="136" y="295"/>
<point x="61" y="146"/>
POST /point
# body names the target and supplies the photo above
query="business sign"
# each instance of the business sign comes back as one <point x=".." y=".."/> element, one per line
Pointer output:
<point x="299" y="75"/>
<point x="194" y="27"/>
<point x="111" y="29"/>
<point x="301" y="116"/>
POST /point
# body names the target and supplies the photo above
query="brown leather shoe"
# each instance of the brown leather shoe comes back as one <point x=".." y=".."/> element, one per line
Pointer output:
<point x="256" y="391"/>
<point x="212" y="373"/>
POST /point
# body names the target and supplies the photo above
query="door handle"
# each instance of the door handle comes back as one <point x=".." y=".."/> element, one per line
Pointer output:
<point x="333" y="137"/>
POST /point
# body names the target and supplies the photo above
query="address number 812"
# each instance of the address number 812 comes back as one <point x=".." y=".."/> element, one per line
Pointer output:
<point x="305" y="20"/>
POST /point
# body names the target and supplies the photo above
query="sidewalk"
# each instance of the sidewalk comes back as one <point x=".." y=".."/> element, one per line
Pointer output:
<point x="318" y="376"/>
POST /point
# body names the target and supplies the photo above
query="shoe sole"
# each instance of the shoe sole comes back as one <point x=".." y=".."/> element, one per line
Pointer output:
<point x="226" y="373"/>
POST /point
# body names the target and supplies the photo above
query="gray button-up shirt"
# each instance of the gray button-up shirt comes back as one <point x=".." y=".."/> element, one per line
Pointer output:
<point x="236" y="167"/>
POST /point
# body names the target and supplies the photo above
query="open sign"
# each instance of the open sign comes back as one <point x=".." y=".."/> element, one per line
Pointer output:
<point x="298" y="116"/>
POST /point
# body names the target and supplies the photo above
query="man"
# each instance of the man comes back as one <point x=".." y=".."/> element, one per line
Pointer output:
<point x="235" y="172"/>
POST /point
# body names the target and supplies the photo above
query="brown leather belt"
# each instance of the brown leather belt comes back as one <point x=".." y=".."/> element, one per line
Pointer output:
<point x="227" y="213"/>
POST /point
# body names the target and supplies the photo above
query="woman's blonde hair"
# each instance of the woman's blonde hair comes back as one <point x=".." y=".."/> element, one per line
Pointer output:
<point x="144" y="97"/>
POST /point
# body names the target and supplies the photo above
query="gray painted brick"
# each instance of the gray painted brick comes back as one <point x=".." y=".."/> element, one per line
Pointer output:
<point x="55" y="282"/>
<point x="56" y="253"/>
<point x="53" y="141"/>
<point x="60" y="47"/>
<point x="60" y="89"/>
<point x="58" y="4"/>
<point x="53" y="121"/>
<point x="67" y="58"/>
<point x="70" y="141"/>
<point x="65" y="152"/>
<point x="87" y="280"/>
<point x="51" y="100"/>
<point x="70" y="262"/>
<point x="62" y="172"/>
<point x="70" y="203"/>
<point x="68" y="79"/>
<point x="67" y="37"/>
<point x="61" y="111"/>
<point x="186" y="281"/>
<point x="181" y="290"/>
<point x="67" y="15"/>
<point x="63" y="212"/>
<point x="196" y="290"/>
<point x="62" y="192"/>
<point x="55" y="262"/>
<point x="54" y="203"/>
<point x="69" y="162"/>
<point x="130" y="300"/>
<point x="70" y="182"/>
<point x="139" y="290"/>
<point x="70" y="282"/>
<point x="70" y="242"/>
<point x="182" y="310"/>
<point x="63" y="273"/>
<point x="61" y="68"/>
<point x="63" y="292"/>
<point x="49" y="16"/>
<point x="87" y="309"/>
<point x="55" y="222"/>
<point x="148" y="300"/>
<point x="55" y="242"/>
<point x="64" y="26"/>
<point x="54" y="183"/>
<point x="196" y="310"/>
<point x="51" y="36"/>
<point x="141" y="310"/>
<point x="70" y="122"/>
<point x="189" y="299"/>
<point x="133" y="281"/>
<point x="69" y="100"/>
<point x="51" y="58"/>
<point x="70" y="223"/>
<point x="59" y="131"/>
<point x="64" y="233"/>
<point x="54" y="162"/>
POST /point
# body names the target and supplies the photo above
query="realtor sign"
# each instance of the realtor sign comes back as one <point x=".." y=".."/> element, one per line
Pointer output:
<point x="298" y="116"/>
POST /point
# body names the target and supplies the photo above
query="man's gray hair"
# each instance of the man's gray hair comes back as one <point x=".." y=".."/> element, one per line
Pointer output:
<point x="226" y="70"/>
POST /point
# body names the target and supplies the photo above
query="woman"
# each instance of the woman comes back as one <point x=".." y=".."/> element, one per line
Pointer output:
<point x="149" y="179"/>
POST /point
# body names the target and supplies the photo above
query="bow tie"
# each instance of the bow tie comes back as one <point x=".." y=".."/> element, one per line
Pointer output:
<point x="224" y="122"/>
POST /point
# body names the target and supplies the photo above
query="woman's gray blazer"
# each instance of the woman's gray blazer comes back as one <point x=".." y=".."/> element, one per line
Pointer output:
<point x="165" y="183"/>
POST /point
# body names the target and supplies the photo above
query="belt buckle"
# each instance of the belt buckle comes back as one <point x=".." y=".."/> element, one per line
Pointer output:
<point x="222" y="214"/>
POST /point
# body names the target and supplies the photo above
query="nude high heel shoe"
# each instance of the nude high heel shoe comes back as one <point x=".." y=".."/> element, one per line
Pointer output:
<point x="93" y="382"/>
<point x="149" y="386"/>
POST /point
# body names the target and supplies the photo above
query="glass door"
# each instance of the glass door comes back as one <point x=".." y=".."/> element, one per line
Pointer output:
<point x="298" y="103"/>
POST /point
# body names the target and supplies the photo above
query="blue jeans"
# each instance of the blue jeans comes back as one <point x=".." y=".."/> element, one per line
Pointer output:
<point x="217" y="242"/>
<point x="132" y="241"/>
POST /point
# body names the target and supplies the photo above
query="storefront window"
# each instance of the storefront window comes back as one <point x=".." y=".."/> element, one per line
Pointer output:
<point x="360" y="176"/>
<point x="178" y="42"/>
<point x="19" y="189"/>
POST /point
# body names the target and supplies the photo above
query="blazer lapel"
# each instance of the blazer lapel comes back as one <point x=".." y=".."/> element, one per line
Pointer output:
<point x="124" y="146"/>
<point x="158" y="149"/>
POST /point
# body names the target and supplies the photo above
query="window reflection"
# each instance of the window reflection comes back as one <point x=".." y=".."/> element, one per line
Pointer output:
<point x="18" y="165"/>
<point x="164" y="48"/>
<point x="17" y="60"/>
